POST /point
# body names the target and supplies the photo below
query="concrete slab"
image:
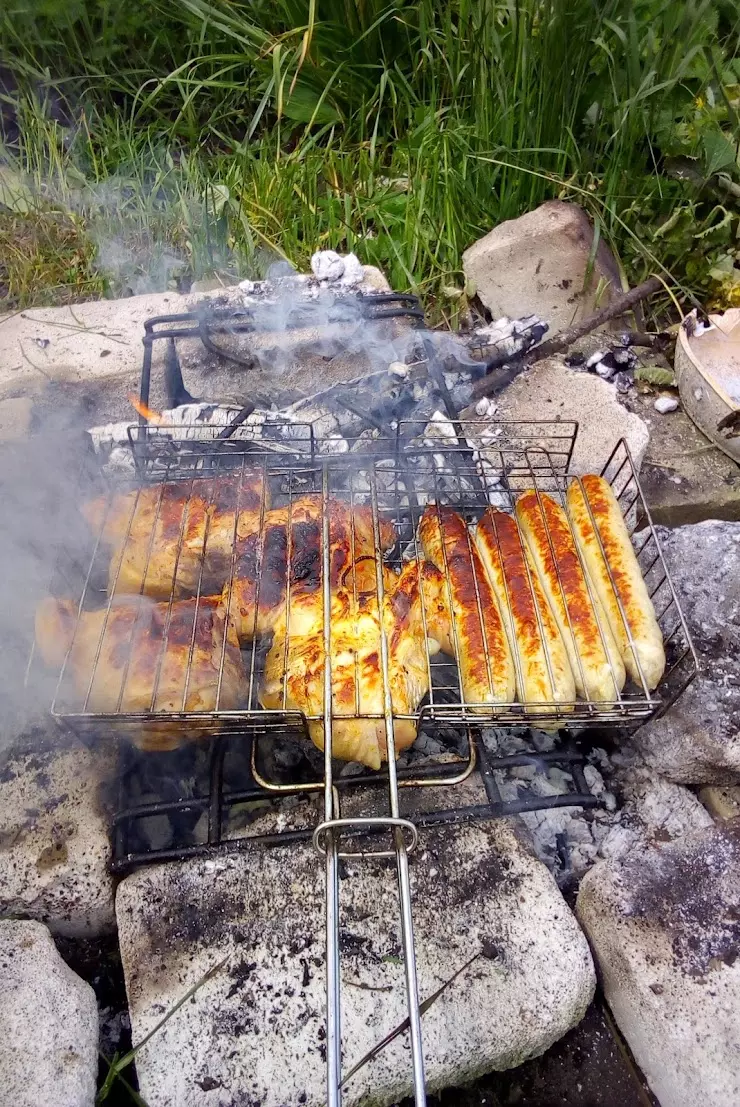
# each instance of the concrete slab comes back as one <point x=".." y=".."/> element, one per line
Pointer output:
<point x="48" y="1023"/>
<point x="54" y="844"/>
<point x="684" y="477"/>
<point x="73" y="344"/>
<point x="255" y="1032"/>
<point x="697" y="741"/>
<point x="45" y="350"/>
<point x="552" y="391"/>
<point x="663" y="924"/>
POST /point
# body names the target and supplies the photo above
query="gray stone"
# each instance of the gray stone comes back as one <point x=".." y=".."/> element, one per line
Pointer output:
<point x="698" y="740"/>
<point x="48" y="1023"/>
<point x="254" y="1032"/>
<point x="537" y="265"/>
<point x="552" y="392"/>
<point x="664" y="925"/>
<point x="54" y="840"/>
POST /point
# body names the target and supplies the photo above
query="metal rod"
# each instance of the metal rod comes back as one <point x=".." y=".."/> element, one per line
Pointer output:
<point x="402" y="864"/>
<point x="333" y="1000"/>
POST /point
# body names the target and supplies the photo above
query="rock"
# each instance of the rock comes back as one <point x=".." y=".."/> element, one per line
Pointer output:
<point x="666" y="404"/>
<point x="698" y="740"/>
<point x="664" y="925"/>
<point x="327" y="265"/>
<point x="255" y="1031"/>
<point x="551" y="391"/>
<point x="54" y="843"/>
<point x="48" y="1023"/>
<point x="721" y="803"/>
<point x="537" y="264"/>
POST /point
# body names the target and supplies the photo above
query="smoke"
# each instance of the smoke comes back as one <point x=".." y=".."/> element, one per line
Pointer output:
<point x="42" y="531"/>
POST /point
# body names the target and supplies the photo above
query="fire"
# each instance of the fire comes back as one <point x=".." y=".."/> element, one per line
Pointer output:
<point x="149" y="414"/>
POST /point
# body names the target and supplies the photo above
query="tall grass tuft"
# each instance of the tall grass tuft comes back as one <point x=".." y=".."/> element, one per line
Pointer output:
<point x="242" y="129"/>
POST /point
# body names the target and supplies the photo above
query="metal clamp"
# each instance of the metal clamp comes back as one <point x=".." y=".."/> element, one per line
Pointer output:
<point x="360" y="824"/>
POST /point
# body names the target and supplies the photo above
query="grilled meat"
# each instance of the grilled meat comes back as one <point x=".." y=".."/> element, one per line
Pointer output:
<point x="176" y="538"/>
<point x="599" y="526"/>
<point x="153" y="657"/>
<point x="294" y="671"/>
<point x="593" y="654"/>
<point x="478" y="637"/>
<point x="543" y="671"/>
<point x="283" y="561"/>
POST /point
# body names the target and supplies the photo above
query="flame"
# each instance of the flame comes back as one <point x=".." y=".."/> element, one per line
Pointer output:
<point x="149" y="414"/>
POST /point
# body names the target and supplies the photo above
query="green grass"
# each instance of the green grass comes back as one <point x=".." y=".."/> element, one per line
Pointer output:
<point x="216" y="135"/>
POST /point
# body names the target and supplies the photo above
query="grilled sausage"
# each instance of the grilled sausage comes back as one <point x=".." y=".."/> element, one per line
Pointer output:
<point x="629" y="608"/>
<point x="478" y="636"/>
<point x="593" y="654"/>
<point x="544" y="674"/>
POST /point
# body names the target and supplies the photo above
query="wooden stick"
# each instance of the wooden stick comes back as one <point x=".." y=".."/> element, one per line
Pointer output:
<point x="494" y="382"/>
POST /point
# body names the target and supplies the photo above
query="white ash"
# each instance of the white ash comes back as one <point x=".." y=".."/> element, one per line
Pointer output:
<point x="485" y="406"/>
<point x="567" y="839"/>
<point x="327" y="265"/>
<point x="334" y="444"/>
<point x="440" y="424"/>
<point x="508" y="337"/>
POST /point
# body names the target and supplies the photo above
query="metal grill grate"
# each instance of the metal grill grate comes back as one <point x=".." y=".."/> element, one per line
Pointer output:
<point x="231" y="774"/>
<point x="392" y="491"/>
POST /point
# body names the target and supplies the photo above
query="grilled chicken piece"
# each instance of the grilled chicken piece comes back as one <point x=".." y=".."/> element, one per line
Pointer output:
<point x="479" y="640"/>
<point x="141" y="653"/>
<point x="294" y="671"/>
<point x="263" y="589"/>
<point x="543" y="672"/>
<point x="176" y="538"/>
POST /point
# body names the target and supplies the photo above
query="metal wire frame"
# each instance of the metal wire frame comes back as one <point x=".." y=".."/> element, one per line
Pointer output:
<point x="220" y="794"/>
<point x="208" y="322"/>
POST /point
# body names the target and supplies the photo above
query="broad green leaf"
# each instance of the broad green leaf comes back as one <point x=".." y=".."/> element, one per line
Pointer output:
<point x="719" y="152"/>
<point x="303" y="104"/>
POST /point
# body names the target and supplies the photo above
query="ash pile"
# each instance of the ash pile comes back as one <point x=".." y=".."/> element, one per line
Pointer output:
<point x="299" y="364"/>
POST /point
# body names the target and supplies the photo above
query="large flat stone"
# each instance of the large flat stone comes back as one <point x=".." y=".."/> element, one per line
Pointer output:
<point x="664" y="925"/>
<point x="74" y="344"/>
<point x="684" y="477"/>
<point x="97" y="347"/>
<point x="48" y="1023"/>
<point x="537" y="265"/>
<point x="54" y="844"/>
<point x="254" y="1033"/>
<point x="551" y="391"/>
<point x="698" y="740"/>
